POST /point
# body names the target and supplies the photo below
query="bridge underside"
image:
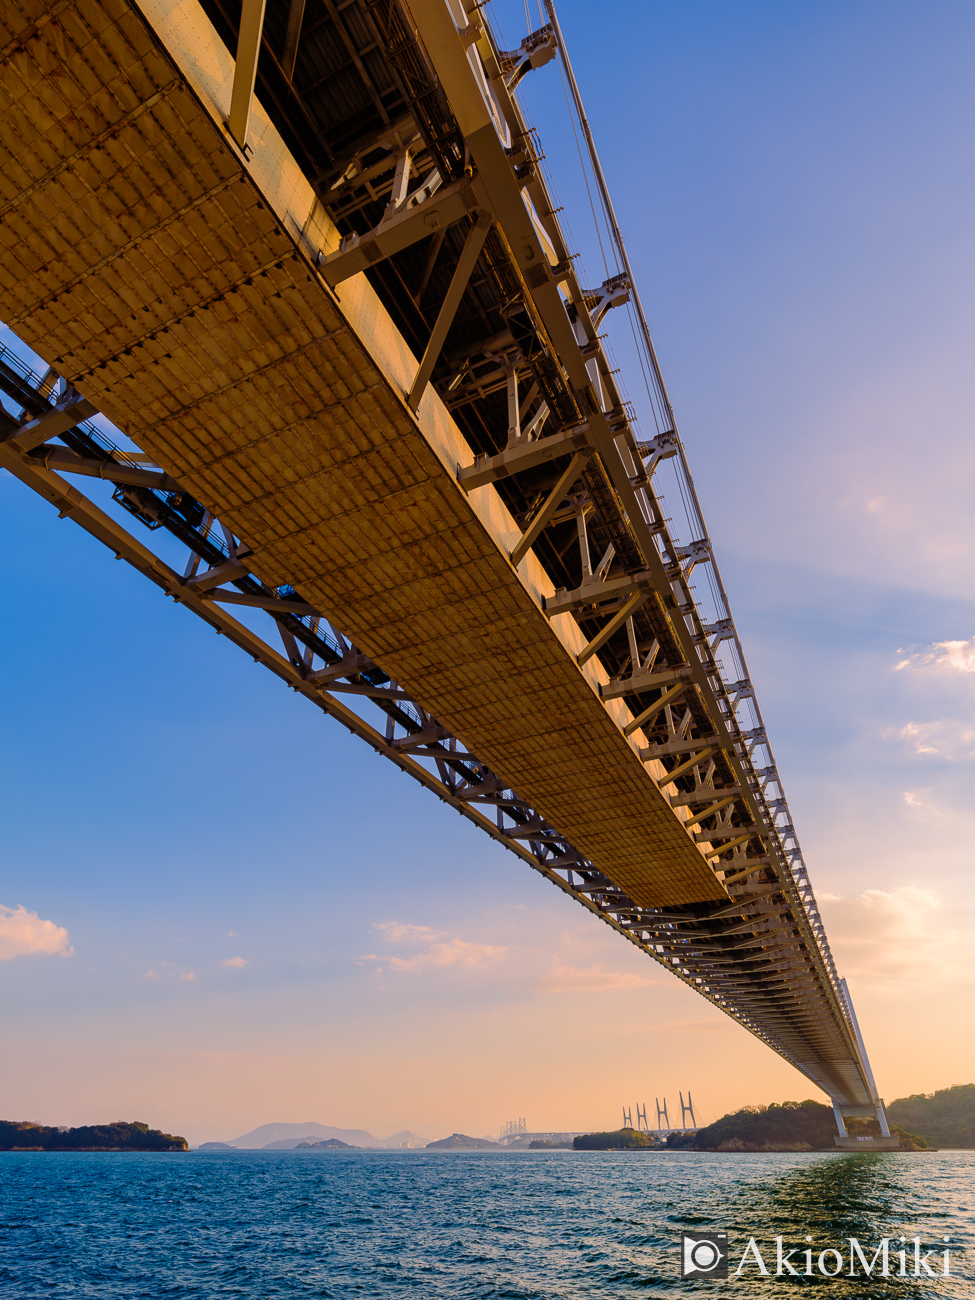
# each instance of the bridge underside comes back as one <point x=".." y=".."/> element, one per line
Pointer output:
<point x="255" y="321"/>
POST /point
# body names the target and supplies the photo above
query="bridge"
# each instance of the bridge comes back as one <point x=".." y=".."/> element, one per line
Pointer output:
<point x="307" y="310"/>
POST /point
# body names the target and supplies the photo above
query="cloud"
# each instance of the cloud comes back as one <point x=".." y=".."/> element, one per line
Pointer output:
<point x="894" y="936"/>
<point x="24" y="934"/>
<point x="942" y="656"/>
<point x="436" y="948"/>
<point x="189" y="975"/>
<point x="396" y="932"/>
<point x="926" y="809"/>
<point x="452" y="952"/>
<point x="949" y="738"/>
<point x="234" y="961"/>
<point x="589" y="979"/>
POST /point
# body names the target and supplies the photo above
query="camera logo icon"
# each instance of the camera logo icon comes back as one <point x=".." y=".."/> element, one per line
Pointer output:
<point x="704" y="1254"/>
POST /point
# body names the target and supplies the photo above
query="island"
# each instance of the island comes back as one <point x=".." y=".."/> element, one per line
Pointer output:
<point x="330" y="1144"/>
<point x="785" y="1126"/>
<point x="621" y="1139"/>
<point x="461" y="1142"/>
<point x="23" y="1135"/>
<point x="945" y="1118"/>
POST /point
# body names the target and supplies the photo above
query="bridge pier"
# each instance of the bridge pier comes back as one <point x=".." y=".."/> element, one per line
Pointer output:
<point x="873" y="1110"/>
<point x="886" y="1142"/>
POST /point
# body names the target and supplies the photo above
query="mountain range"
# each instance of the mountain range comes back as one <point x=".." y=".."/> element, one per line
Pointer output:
<point x="285" y="1137"/>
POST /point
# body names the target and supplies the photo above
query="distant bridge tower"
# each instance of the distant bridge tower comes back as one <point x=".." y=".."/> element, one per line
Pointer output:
<point x="686" y="1110"/>
<point x="627" y="1118"/>
<point x="662" y="1114"/>
<point x="641" y="1118"/>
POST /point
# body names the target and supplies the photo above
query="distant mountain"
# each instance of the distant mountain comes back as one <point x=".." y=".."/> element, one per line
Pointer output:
<point x="215" y="1146"/>
<point x="461" y="1142"/>
<point x="330" y="1144"/>
<point x="944" y="1119"/>
<point x="404" y="1138"/>
<point x="289" y="1144"/>
<point x="287" y="1136"/>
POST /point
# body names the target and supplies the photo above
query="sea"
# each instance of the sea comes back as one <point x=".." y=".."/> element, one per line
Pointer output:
<point x="462" y="1225"/>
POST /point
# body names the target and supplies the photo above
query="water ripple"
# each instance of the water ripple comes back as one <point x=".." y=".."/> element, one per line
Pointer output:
<point x="462" y="1225"/>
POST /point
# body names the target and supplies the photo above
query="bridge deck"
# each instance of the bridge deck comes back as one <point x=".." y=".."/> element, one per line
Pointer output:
<point x="175" y="302"/>
<point x="187" y="290"/>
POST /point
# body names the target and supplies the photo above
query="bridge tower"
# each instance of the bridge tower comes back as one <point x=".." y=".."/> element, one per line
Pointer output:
<point x="627" y="1118"/>
<point x="641" y="1118"/>
<point x="662" y="1114"/>
<point x="686" y="1110"/>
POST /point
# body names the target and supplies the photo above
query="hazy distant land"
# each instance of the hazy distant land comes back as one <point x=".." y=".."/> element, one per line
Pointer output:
<point x="461" y="1142"/>
<point x="287" y="1137"/>
<point x="944" y="1119"/>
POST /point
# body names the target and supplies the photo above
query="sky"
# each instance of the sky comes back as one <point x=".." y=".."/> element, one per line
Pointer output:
<point x="220" y="910"/>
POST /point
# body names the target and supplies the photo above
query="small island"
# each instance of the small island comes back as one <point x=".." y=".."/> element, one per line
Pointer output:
<point x="621" y="1139"/>
<point x="461" y="1142"/>
<point x="330" y="1144"/>
<point x="23" y="1135"/>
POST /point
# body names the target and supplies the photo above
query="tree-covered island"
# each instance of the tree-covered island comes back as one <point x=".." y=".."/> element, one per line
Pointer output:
<point x="943" y="1120"/>
<point x="24" y="1135"/>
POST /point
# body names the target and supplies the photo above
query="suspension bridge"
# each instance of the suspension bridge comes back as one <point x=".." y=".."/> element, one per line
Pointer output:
<point x="306" y="309"/>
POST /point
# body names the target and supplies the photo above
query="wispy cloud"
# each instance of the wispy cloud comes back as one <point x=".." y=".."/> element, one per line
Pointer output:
<point x="894" y="936"/>
<point x="953" y="737"/>
<point x="397" y="932"/>
<point x="189" y="975"/>
<point x="941" y="657"/>
<point x="435" y="948"/>
<point x="949" y="738"/>
<point x="234" y="961"/>
<point x="25" y="934"/>
<point x="589" y="979"/>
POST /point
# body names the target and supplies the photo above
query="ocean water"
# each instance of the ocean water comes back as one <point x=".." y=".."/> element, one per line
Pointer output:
<point x="556" y="1225"/>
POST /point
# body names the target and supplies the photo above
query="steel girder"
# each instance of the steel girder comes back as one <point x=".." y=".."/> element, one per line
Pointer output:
<point x="475" y="152"/>
<point x="757" y="937"/>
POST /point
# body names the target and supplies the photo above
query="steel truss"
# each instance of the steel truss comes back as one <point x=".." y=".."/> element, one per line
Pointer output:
<point x="369" y="95"/>
<point x="761" y="959"/>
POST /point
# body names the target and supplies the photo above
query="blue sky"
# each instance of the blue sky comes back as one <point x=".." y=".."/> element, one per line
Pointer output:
<point x="795" y="184"/>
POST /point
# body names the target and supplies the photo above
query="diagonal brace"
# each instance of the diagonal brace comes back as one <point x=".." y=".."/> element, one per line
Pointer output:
<point x="617" y="621"/>
<point x="245" y="68"/>
<point x="552" y="502"/>
<point x="686" y="766"/>
<point x="58" y="419"/>
<point x="667" y="698"/>
<point x="477" y="234"/>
